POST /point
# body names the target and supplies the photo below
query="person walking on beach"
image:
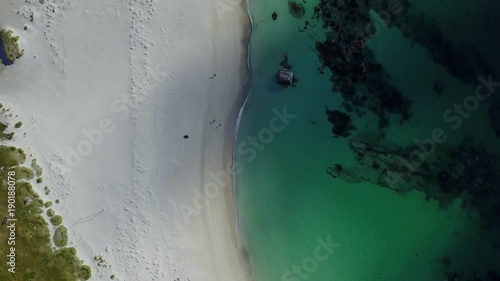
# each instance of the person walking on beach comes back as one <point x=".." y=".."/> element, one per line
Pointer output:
<point x="212" y="76"/>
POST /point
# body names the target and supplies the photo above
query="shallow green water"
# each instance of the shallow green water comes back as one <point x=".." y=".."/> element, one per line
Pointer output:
<point x="286" y="199"/>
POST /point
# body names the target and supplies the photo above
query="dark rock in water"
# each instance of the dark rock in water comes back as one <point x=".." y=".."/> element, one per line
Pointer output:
<point x="358" y="77"/>
<point x="490" y="276"/>
<point x="186" y="137"/>
<point x="297" y="10"/>
<point x="274" y="16"/>
<point x="494" y="113"/>
<point x="341" y="121"/>
<point x="285" y="77"/>
<point x="463" y="61"/>
<point x="446" y="261"/>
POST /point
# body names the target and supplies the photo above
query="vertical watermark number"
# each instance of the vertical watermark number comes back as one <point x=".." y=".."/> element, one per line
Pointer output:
<point x="10" y="220"/>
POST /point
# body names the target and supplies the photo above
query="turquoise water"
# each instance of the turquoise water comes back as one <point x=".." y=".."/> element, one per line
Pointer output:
<point x="287" y="202"/>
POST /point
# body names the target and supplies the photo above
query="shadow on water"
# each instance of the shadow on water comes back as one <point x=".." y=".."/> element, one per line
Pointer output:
<point x="274" y="87"/>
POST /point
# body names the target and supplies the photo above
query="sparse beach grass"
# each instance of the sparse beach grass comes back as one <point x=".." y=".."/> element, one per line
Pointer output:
<point x="36" y="259"/>
<point x="11" y="47"/>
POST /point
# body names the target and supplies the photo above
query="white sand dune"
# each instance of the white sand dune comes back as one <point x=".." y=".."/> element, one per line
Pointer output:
<point x="106" y="91"/>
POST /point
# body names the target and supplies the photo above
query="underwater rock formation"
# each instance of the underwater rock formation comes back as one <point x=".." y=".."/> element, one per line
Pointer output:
<point x="341" y="121"/>
<point x="490" y="276"/>
<point x="31" y="255"/>
<point x="297" y="10"/>
<point x="284" y="62"/>
<point x="361" y="81"/>
<point x="443" y="174"/>
<point x="494" y="113"/>
<point x="9" y="48"/>
<point x="463" y="62"/>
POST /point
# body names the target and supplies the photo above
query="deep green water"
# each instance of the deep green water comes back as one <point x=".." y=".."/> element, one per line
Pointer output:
<point x="287" y="201"/>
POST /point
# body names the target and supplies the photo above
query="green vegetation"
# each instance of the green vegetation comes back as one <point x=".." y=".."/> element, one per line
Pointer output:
<point x="85" y="272"/>
<point x="35" y="257"/>
<point x="101" y="262"/>
<point x="8" y="136"/>
<point x="50" y="212"/>
<point x="38" y="169"/>
<point x="56" y="220"/>
<point x="61" y="236"/>
<point x="11" y="47"/>
<point x="47" y="190"/>
<point x="4" y="135"/>
<point x="23" y="173"/>
<point x="18" y="125"/>
<point x="48" y="204"/>
<point x="10" y="156"/>
<point x="39" y="180"/>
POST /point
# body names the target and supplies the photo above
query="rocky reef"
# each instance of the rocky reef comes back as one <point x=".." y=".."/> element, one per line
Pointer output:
<point x="341" y="121"/>
<point x="443" y="174"/>
<point x="297" y="10"/>
<point x="494" y="113"/>
<point x="358" y="77"/>
<point x="490" y="276"/>
<point x="463" y="62"/>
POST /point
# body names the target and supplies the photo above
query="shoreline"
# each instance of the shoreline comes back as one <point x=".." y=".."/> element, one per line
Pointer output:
<point x="247" y="87"/>
<point x="234" y="263"/>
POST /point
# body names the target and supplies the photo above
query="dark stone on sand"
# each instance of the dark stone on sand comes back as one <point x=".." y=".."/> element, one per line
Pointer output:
<point x="274" y="16"/>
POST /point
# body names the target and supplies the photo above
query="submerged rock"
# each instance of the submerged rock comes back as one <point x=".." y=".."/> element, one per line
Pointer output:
<point x="443" y="174"/>
<point x="341" y="121"/>
<point x="297" y="10"/>
<point x="284" y="62"/>
<point x="494" y="113"/>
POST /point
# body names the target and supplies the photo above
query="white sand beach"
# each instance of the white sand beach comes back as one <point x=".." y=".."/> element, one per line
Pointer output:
<point x="117" y="105"/>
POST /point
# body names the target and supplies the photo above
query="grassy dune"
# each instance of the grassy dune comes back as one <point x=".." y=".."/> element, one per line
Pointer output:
<point x="36" y="257"/>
